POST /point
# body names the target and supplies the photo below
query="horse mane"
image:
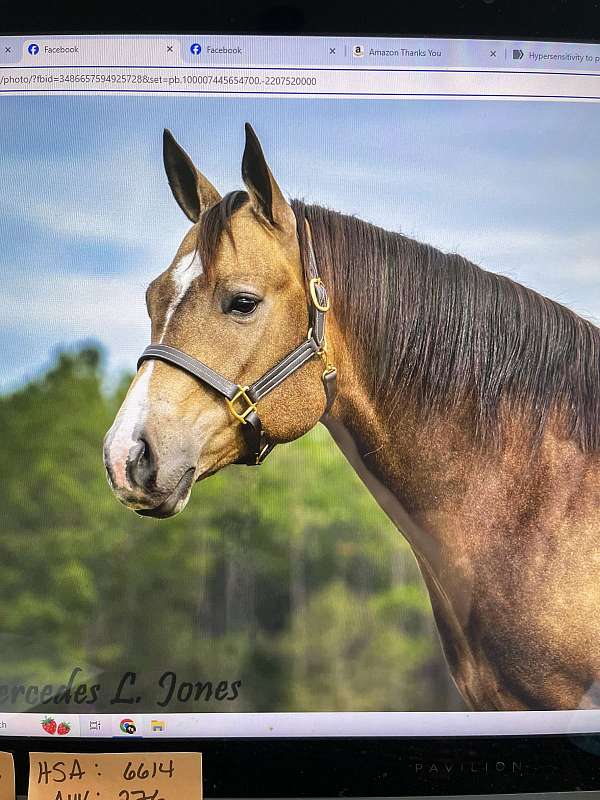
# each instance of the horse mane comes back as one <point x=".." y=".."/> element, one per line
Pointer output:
<point x="442" y="331"/>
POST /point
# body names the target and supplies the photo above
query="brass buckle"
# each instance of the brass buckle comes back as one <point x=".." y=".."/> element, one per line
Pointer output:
<point x="312" y="284"/>
<point x="322" y="352"/>
<point x="241" y="395"/>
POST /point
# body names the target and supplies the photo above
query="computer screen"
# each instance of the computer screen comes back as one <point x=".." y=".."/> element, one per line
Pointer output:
<point x="299" y="390"/>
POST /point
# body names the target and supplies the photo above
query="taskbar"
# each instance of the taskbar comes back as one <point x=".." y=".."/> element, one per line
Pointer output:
<point x="56" y="725"/>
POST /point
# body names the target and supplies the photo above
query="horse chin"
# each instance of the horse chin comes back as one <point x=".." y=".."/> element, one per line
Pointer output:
<point x="207" y="474"/>
<point x="178" y="499"/>
<point x="210" y="467"/>
<point x="175" y="502"/>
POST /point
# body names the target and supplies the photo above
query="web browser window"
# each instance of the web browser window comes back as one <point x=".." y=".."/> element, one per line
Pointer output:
<point x="299" y="387"/>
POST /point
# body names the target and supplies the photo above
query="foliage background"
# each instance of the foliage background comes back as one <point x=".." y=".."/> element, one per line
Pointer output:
<point x="297" y="586"/>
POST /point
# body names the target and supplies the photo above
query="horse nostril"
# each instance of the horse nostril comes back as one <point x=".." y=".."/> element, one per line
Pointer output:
<point x="141" y="466"/>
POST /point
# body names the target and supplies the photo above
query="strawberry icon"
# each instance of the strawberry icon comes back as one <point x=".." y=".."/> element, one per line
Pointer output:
<point x="49" y="725"/>
<point x="63" y="728"/>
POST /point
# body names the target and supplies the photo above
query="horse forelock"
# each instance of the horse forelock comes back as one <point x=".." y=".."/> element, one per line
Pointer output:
<point x="442" y="331"/>
<point x="216" y="221"/>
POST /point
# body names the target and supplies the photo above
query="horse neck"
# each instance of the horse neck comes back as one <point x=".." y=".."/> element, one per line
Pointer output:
<point x="414" y="456"/>
<point x="432" y="474"/>
<point x="407" y="458"/>
<point x="418" y="466"/>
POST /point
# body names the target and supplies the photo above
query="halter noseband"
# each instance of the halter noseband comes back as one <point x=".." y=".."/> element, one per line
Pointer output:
<point x="241" y="400"/>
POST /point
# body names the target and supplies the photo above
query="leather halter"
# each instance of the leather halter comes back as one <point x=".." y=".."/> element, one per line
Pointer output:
<point x="242" y="400"/>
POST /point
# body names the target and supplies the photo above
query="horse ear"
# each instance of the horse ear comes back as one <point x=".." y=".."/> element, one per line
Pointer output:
<point x="190" y="188"/>
<point x="266" y="196"/>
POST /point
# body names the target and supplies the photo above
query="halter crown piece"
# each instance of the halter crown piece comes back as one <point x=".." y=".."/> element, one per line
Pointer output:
<point x="242" y="400"/>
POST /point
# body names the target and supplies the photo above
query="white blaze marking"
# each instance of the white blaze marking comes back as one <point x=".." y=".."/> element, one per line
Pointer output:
<point x="131" y="417"/>
<point x="134" y="410"/>
<point x="185" y="271"/>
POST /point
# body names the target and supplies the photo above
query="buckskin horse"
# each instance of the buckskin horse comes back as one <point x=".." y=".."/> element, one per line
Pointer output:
<point x="468" y="404"/>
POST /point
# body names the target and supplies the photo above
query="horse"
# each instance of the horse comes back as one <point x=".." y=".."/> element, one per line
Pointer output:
<point x="468" y="404"/>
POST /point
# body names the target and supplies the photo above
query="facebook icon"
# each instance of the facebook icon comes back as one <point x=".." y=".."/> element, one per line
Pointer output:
<point x="195" y="49"/>
<point x="33" y="49"/>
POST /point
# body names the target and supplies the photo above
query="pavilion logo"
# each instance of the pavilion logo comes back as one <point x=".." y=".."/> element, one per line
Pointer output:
<point x="447" y="767"/>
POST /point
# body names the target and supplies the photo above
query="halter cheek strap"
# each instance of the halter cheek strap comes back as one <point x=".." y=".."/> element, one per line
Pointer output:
<point x="242" y="400"/>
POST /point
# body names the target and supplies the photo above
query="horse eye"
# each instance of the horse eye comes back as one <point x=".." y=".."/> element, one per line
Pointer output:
<point x="243" y="304"/>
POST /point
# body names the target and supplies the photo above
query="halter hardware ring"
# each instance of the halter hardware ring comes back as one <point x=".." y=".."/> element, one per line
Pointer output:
<point x="241" y="395"/>
<point x="328" y="366"/>
<point x="312" y="284"/>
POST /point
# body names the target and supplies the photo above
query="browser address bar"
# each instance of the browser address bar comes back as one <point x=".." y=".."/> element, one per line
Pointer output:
<point x="341" y="82"/>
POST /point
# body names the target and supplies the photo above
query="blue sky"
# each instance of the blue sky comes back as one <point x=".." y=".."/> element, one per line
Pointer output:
<point x="87" y="218"/>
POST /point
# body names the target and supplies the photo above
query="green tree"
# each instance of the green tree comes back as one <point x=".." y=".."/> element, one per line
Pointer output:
<point x="288" y="578"/>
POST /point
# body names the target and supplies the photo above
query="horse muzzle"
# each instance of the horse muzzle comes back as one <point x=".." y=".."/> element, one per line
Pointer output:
<point x="133" y="476"/>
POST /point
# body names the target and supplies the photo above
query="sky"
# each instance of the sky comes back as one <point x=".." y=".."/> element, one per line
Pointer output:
<point x="87" y="219"/>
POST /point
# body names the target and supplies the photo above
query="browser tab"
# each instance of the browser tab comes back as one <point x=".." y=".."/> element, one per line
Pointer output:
<point x="558" y="55"/>
<point x="400" y="53"/>
<point x="226" y="50"/>
<point x="96" y="51"/>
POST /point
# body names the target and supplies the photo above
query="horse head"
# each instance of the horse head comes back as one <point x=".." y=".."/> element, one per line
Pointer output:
<point x="235" y="299"/>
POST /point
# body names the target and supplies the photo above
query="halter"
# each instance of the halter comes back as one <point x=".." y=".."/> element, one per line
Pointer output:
<point x="241" y="400"/>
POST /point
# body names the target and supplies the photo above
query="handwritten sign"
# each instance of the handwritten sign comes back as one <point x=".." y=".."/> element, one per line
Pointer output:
<point x="115" y="776"/>
<point x="7" y="777"/>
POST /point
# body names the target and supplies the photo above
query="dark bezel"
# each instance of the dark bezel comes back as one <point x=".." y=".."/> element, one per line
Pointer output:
<point x="555" y="20"/>
<point x="378" y="767"/>
<point x="362" y="767"/>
